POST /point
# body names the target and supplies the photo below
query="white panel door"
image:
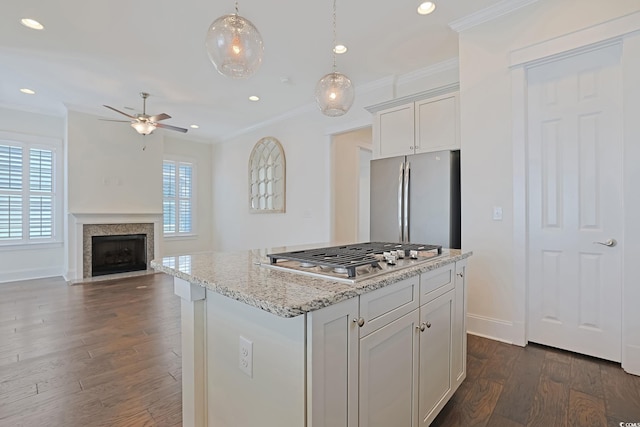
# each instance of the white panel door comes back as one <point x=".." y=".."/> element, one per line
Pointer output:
<point x="575" y="200"/>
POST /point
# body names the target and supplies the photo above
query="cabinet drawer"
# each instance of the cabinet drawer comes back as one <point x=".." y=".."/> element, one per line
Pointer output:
<point x="436" y="282"/>
<point x="383" y="306"/>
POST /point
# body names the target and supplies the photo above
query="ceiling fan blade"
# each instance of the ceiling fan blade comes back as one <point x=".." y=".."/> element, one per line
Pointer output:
<point x="159" y="117"/>
<point x="118" y="111"/>
<point x="119" y="121"/>
<point x="176" y="128"/>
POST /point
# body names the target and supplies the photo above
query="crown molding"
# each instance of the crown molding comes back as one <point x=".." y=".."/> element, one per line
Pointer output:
<point x="440" y="67"/>
<point x="488" y="14"/>
<point x="431" y="93"/>
<point x="57" y="113"/>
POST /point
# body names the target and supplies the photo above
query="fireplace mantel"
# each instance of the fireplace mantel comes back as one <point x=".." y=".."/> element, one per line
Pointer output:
<point x="77" y="221"/>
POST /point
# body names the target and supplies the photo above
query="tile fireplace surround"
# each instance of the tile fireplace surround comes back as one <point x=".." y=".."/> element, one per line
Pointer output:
<point x="83" y="226"/>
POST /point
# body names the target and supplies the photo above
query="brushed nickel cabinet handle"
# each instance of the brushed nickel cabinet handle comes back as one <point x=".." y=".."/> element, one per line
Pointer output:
<point x="359" y="321"/>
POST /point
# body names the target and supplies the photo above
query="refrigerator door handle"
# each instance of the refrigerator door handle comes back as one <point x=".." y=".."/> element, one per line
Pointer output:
<point x="400" y="180"/>
<point x="407" y="176"/>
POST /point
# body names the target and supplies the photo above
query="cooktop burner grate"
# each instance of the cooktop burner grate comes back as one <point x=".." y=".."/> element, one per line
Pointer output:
<point x="349" y="257"/>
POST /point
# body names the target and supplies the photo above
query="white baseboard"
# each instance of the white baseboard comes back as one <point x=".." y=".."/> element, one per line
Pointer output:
<point x="495" y="329"/>
<point x="14" y="276"/>
<point x="631" y="359"/>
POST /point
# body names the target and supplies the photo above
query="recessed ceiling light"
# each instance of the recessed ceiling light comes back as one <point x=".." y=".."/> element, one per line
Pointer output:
<point x="254" y="98"/>
<point x="194" y="126"/>
<point x="340" y="49"/>
<point x="27" y="91"/>
<point x="426" y="7"/>
<point x="31" y="23"/>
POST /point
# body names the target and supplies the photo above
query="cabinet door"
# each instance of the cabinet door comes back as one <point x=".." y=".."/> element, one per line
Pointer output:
<point x="393" y="132"/>
<point x="388" y="374"/>
<point x="332" y="365"/>
<point x="435" y="356"/>
<point x="459" y="366"/>
<point x="436" y="124"/>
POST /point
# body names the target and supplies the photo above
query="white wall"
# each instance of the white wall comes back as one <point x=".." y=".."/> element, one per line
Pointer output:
<point x="487" y="160"/>
<point x="306" y="139"/>
<point x="345" y="182"/>
<point x="45" y="260"/>
<point x="201" y="155"/>
<point x="107" y="169"/>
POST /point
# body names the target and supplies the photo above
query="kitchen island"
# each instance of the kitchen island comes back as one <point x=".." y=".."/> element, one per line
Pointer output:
<point x="267" y="347"/>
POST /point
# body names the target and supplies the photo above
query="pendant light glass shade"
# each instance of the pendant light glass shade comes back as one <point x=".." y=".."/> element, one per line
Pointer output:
<point x="334" y="94"/>
<point x="234" y="46"/>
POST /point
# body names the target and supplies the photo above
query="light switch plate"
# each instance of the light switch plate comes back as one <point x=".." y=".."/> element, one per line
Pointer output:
<point x="497" y="213"/>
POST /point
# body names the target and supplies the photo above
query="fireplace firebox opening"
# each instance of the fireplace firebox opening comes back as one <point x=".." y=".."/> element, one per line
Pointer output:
<point x="118" y="254"/>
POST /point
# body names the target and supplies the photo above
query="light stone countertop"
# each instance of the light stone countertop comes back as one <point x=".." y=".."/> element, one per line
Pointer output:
<point x="240" y="276"/>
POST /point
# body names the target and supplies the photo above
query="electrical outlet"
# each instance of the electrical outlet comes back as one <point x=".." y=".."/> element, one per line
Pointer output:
<point x="245" y="358"/>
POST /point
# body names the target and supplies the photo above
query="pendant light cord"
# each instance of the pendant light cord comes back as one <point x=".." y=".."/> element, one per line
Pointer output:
<point x="333" y="48"/>
<point x="236" y="8"/>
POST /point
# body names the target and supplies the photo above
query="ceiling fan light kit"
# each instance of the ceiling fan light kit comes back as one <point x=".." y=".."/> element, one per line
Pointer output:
<point x="143" y="128"/>
<point x="234" y="46"/>
<point x="334" y="92"/>
<point x="145" y="124"/>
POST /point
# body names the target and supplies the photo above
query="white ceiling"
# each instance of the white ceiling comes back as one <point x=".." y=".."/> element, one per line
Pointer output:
<point x="105" y="52"/>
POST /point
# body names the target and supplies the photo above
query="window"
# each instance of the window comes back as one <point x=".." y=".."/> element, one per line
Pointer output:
<point x="177" y="193"/>
<point x="28" y="201"/>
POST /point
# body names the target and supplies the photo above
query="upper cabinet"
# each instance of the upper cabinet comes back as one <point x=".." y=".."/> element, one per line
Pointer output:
<point x="437" y="124"/>
<point x="418" y="124"/>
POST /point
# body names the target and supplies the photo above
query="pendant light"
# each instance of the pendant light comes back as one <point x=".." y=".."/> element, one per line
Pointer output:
<point x="234" y="46"/>
<point x="334" y="92"/>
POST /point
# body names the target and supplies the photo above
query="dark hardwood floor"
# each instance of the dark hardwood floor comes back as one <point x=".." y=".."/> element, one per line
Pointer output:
<point x="511" y="386"/>
<point x="102" y="354"/>
<point x="108" y="354"/>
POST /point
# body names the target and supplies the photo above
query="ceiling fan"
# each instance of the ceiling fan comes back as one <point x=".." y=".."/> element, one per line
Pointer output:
<point x="143" y="123"/>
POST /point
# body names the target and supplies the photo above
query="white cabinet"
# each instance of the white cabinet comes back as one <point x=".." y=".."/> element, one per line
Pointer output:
<point x="436" y="124"/>
<point x="417" y="127"/>
<point x="436" y="354"/>
<point x="391" y="357"/>
<point x="393" y="132"/>
<point x="388" y="372"/>
<point x="332" y="365"/>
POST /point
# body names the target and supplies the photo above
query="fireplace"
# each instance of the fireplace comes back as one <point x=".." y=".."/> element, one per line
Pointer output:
<point x="84" y="226"/>
<point x="118" y="254"/>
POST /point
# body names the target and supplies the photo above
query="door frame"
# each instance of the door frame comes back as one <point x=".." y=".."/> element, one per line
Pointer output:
<point x="624" y="31"/>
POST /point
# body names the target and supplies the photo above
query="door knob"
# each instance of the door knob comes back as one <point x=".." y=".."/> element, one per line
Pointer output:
<point x="359" y="321"/>
<point x="610" y="243"/>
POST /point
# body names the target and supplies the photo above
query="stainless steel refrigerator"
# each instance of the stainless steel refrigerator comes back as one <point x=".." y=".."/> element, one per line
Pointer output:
<point x="416" y="199"/>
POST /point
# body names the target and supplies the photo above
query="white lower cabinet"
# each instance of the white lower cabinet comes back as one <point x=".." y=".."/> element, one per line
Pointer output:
<point x="392" y="357"/>
<point x="388" y="372"/>
<point x="436" y="352"/>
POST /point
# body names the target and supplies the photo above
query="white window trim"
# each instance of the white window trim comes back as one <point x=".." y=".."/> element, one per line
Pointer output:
<point x="27" y="141"/>
<point x="193" y="234"/>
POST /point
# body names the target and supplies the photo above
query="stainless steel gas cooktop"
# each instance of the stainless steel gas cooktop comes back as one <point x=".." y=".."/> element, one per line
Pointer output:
<point x="351" y="263"/>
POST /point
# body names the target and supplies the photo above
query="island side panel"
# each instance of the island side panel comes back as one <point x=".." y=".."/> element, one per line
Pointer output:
<point x="193" y="352"/>
<point x="274" y="394"/>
